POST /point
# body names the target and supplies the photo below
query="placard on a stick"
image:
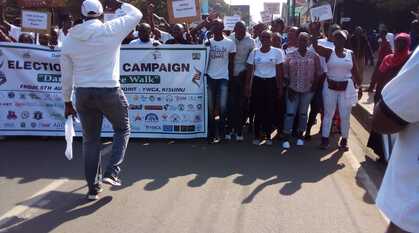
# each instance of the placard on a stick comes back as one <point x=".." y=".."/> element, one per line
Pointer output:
<point x="180" y="11"/>
<point x="36" y="21"/>
<point x="322" y="13"/>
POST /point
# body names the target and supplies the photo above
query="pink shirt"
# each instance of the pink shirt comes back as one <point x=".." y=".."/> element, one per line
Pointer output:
<point x="302" y="71"/>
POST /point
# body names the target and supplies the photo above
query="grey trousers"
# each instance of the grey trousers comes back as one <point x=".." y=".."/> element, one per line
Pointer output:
<point x="92" y="105"/>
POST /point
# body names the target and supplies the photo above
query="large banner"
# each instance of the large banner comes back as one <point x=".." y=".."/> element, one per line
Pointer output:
<point x="165" y="87"/>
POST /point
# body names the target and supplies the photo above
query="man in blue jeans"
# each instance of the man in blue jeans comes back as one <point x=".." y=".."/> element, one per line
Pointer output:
<point x="220" y="69"/>
<point x="90" y="64"/>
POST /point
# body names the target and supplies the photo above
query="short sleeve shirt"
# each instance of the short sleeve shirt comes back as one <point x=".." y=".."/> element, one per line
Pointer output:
<point x="302" y="71"/>
<point x="398" y="197"/>
<point x="265" y="63"/>
<point x="219" y="58"/>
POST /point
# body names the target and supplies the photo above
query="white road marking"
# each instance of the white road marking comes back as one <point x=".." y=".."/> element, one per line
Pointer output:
<point x="35" y="199"/>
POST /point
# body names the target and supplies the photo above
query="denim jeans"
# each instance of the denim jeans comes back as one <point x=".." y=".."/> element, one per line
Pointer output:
<point x="297" y="105"/>
<point x="217" y="98"/>
<point x="92" y="105"/>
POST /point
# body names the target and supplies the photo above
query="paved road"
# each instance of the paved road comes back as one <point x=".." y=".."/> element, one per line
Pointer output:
<point x="186" y="187"/>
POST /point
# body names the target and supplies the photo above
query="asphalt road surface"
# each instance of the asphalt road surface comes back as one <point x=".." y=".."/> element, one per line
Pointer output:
<point x="186" y="187"/>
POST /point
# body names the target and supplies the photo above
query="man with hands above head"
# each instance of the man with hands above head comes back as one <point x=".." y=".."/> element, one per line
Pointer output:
<point x="90" y="65"/>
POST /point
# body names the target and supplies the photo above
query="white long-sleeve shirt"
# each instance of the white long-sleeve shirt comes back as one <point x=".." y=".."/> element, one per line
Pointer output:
<point x="90" y="53"/>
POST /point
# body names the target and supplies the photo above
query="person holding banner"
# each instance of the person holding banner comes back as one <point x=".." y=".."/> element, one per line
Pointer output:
<point x="90" y="64"/>
<point x="264" y="84"/>
<point x="220" y="69"/>
<point x="144" y="36"/>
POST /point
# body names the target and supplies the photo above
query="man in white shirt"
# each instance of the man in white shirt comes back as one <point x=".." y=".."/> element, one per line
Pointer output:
<point x="90" y="63"/>
<point x="144" y="36"/>
<point x="220" y="69"/>
<point x="398" y="112"/>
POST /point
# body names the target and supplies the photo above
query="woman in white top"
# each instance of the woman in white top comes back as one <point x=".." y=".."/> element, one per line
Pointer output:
<point x="265" y="74"/>
<point x="339" y="89"/>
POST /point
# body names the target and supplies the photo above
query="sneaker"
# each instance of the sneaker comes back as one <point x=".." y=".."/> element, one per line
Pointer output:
<point x="112" y="180"/>
<point x="256" y="142"/>
<point x="240" y="138"/>
<point x="227" y="137"/>
<point x="98" y="188"/>
<point x="300" y="142"/>
<point x="343" y="145"/>
<point x="269" y="142"/>
<point x="92" y="195"/>
<point x="286" y="145"/>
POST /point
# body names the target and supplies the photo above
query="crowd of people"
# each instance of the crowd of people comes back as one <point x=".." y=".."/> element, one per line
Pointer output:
<point x="271" y="77"/>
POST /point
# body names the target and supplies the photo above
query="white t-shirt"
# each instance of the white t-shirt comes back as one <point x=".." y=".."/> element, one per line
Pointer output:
<point x="326" y="43"/>
<point x="258" y="43"/>
<point x="398" y="197"/>
<point x="290" y="50"/>
<point x="139" y="42"/>
<point x="164" y="36"/>
<point x="61" y="38"/>
<point x="265" y="63"/>
<point x="219" y="58"/>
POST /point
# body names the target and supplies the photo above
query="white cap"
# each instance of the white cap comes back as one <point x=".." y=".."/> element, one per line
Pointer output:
<point x="94" y="7"/>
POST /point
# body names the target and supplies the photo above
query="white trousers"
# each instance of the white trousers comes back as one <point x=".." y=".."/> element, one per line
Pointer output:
<point x="331" y="99"/>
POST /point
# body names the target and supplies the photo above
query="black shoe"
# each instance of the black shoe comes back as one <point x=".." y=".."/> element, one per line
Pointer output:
<point x="112" y="180"/>
<point x="325" y="144"/>
<point x="343" y="145"/>
<point x="98" y="188"/>
<point x="93" y="195"/>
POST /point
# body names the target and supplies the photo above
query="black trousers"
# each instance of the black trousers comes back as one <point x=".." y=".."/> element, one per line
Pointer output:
<point x="264" y="99"/>
<point x="238" y="104"/>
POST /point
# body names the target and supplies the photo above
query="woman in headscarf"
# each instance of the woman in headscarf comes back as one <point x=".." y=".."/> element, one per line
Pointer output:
<point x="388" y="69"/>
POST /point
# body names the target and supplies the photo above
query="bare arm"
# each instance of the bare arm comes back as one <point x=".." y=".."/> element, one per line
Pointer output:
<point x="355" y="74"/>
<point x="279" y="78"/>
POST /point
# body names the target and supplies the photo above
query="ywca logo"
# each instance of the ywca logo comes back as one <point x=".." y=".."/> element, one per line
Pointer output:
<point x="151" y="118"/>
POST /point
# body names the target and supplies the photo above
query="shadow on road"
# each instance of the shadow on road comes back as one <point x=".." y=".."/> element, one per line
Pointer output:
<point x="160" y="161"/>
<point x="64" y="207"/>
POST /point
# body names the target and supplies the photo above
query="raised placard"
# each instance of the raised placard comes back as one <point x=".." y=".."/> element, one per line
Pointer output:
<point x="272" y="7"/>
<point x="322" y="13"/>
<point x="36" y="21"/>
<point x="181" y="11"/>
<point x="266" y="17"/>
<point x="230" y="22"/>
